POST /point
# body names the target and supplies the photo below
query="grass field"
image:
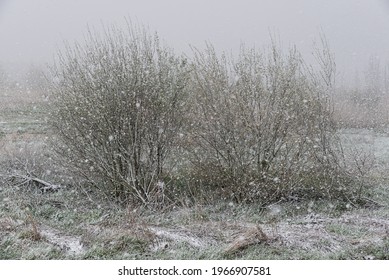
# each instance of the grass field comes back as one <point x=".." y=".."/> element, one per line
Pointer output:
<point x="75" y="223"/>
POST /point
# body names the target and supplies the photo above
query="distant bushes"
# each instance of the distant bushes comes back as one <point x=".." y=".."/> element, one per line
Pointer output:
<point x="4" y="80"/>
<point x="364" y="105"/>
<point x="133" y="119"/>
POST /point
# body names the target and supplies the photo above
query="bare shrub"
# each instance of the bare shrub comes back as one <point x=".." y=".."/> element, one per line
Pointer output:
<point x="118" y="107"/>
<point x="4" y="80"/>
<point x="262" y="125"/>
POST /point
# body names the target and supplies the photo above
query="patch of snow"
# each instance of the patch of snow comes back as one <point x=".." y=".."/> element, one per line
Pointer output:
<point x="177" y="237"/>
<point x="68" y="243"/>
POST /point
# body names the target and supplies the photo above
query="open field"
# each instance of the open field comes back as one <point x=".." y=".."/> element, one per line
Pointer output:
<point x="74" y="223"/>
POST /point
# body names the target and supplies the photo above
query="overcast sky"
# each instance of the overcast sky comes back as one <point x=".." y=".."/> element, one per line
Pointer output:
<point x="32" y="30"/>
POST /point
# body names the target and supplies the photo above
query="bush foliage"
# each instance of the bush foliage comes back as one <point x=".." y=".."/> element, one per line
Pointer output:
<point x="263" y="125"/>
<point x="118" y="110"/>
<point x="255" y="127"/>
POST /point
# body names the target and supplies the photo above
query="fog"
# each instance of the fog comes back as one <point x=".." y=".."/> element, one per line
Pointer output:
<point x="31" y="32"/>
<point x="127" y="151"/>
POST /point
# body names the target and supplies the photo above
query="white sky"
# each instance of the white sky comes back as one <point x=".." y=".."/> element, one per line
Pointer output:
<point x="32" y="30"/>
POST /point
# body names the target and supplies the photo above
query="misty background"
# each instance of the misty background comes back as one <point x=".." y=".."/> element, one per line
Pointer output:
<point x="31" y="32"/>
<point x="260" y="157"/>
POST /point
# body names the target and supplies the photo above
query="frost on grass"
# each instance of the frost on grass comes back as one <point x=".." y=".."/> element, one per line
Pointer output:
<point x="178" y="236"/>
<point x="70" y="244"/>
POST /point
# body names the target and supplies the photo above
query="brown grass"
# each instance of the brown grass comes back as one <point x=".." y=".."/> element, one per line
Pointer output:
<point x="35" y="234"/>
<point x="246" y="237"/>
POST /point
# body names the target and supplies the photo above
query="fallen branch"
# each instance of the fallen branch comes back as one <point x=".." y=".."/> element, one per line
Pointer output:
<point x="42" y="185"/>
<point x="371" y="201"/>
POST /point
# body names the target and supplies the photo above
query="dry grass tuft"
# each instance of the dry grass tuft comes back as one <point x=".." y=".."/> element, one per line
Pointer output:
<point x="248" y="236"/>
<point x="35" y="234"/>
